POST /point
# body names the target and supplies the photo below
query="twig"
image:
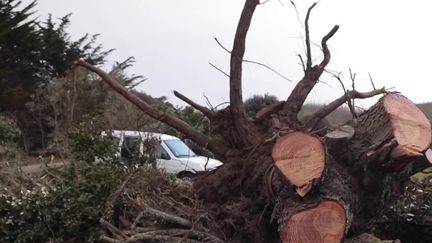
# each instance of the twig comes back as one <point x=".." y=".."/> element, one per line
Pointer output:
<point x="169" y="234"/>
<point x="220" y="70"/>
<point x="109" y="239"/>
<point x="222" y="46"/>
<point x="116" y="194"/>
<point x="252" y="62"/>
<point x="114" y="230"/>
<point x="162" y="215"/>
<point x="371" y="81"/>
<point x="269" y="68"/>
<point x="353" y="76"/>
<point x="208" y="102"/>
<point x="350" y="102"/>
<point x="302" y="63"/>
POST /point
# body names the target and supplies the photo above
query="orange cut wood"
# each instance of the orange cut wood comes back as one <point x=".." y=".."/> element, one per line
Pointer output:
<point x="325" y="223"/>
<point x="300" y="158"/>
<point x="411" y="128"/>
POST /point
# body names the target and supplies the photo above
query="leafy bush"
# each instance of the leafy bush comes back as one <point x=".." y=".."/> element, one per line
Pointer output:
<point x="67" y="209"/>
<point x="87" y="143"/>
<point x="65" y="205"/>
<point x="9" y="133"/>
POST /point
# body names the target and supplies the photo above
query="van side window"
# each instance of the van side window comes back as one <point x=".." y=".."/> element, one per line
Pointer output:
<point x="130" y="148"/>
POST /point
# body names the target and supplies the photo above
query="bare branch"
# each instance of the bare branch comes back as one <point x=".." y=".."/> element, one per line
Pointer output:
<point x="268" y="110"/>
<point x="207" y="112"/>
<point x="237" y="54"/>
<point x="350" y="102"/>
<point x="302" y="63"/>
<point x="308" y="46"/>
<point x="324" y="46"/>
<point x="250" y="61"/>
<point x="208" y="102"/>
<point x="371" y="81"/>
<point x="297" y="13"/>
<point x="222" y="46"/>
<point x="220" y="70"/>
<point x="298" y="96"/>
<point x="326" y="110"/>
<point x="214" y="145"/>
<point x="269" y="68"/>
<point x="114" y="230"/>
<point x="163" y="216"/>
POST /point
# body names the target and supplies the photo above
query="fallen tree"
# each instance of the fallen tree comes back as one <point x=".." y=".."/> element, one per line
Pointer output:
<point x="282" y="180"/>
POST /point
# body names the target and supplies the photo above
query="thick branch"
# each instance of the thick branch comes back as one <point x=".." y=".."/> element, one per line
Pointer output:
<point x="207" y="112"/>
<point x="326" y="110"/>
<point x="214" y="145"/>
<point x="325" y="49"/>
<point x="239" y="47"/>
<point x="308" y="45"/>
<point x="298" y="96"/>
<point x="266" y="111"/>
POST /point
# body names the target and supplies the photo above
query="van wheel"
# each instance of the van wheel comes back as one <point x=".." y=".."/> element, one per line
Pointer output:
<point x="186" y="176"/>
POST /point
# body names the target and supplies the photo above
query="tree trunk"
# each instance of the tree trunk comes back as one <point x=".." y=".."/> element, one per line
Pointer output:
<point x="311" y="196"/>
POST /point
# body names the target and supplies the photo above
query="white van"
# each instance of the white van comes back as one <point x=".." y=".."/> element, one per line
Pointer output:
<point x="172" y="154"/>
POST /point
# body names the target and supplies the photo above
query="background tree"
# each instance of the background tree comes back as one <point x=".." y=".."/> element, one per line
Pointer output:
<point x="34" y="53"/>
<point x="257" y="102"/>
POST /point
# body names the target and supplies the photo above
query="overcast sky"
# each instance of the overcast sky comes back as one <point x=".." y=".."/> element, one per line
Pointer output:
<point x="173" y="43"/>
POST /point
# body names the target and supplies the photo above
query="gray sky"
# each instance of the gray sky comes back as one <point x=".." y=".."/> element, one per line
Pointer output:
<point x="172" y="42"/>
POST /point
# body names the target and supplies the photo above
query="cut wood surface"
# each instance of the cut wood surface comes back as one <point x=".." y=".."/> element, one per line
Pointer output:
<point x="391" y="131"/>
<point x="300" y="158"/>
<point x="428" y="155"/>
<point x="411" y="128"/>
<point x="324" y="223"/>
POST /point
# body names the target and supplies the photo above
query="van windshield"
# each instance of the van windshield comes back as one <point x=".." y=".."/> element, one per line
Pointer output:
<point x="179" y="149"/>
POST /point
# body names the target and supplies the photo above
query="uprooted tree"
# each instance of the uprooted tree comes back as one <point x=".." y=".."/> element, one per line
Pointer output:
<point x="286" y="180"/>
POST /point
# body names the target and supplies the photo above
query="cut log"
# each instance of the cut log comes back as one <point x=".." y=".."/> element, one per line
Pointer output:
<point x="389" y="134"/>
<point x="324" y="223"/>
<point x="410" y="130"/>
<point x="300" y="158"/>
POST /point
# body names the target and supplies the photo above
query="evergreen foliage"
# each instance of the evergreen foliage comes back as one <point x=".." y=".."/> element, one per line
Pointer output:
<point x="34" y="52"/>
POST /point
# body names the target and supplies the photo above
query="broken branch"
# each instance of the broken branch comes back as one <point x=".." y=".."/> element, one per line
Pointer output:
<point x="300" y="92"/>
<point x="207" y="112"/>
<point x="326" y="110"/>
<point x="175" y="122"/>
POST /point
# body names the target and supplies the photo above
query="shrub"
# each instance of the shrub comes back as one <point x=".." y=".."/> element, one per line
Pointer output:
<point x="9" y="133"/>
<point x="65" y="204"/>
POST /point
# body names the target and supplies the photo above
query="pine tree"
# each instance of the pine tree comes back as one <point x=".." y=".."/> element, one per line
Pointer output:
<point x="34" y="52"/>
